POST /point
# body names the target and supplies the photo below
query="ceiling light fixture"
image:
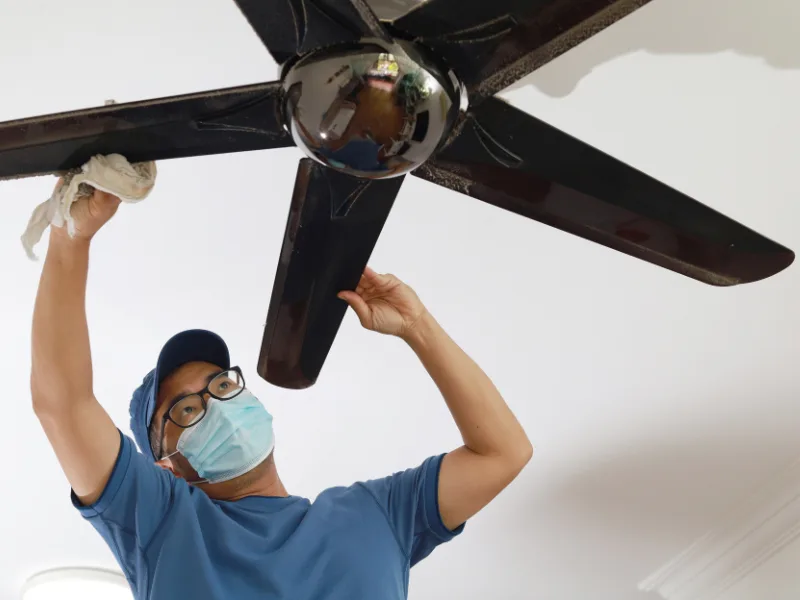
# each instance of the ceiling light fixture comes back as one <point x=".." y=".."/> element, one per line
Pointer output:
<point x="84" y="583"/>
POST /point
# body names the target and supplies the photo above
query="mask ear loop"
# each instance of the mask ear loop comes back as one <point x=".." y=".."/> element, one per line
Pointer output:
<point x="177" y="451"/>
<point x="169" y="456"/>
<point x="199" y="481"/>
<point x="172" y="465"/>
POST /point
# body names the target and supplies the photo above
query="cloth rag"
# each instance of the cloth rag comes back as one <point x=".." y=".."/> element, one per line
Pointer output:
<point x="112" y="174"/>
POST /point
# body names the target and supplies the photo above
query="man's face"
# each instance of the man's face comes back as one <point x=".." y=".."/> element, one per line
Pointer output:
<point x="187" y="379"/>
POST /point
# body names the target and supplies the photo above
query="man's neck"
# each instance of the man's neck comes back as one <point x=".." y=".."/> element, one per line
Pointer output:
<point x="269" y="489"/>
<point x="261" y="481"/>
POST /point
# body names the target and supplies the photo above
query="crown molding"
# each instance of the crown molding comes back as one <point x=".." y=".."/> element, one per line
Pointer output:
<point x="743" y="539"/>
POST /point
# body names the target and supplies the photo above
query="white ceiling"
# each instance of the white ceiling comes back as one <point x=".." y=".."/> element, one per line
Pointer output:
<point x="653" y="401"/>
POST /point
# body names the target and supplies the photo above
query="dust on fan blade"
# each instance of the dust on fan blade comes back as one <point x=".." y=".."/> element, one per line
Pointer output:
<point x="512" y="160"/>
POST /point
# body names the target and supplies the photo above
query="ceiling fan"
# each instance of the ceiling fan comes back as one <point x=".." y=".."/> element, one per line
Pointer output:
<point x="370" y="101"/>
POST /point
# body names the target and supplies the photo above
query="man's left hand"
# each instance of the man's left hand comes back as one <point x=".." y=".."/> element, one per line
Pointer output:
<point x="385" y="304"/>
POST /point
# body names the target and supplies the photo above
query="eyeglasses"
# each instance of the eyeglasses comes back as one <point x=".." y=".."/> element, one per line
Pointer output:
<point x="187" y="411"/>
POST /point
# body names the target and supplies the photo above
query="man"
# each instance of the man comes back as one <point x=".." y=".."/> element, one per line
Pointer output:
<point x="200" y="512"/>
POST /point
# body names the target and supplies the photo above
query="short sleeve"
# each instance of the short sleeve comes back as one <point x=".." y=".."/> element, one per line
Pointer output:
<point x="410" y="500"/>
<point x="133" y="505"/>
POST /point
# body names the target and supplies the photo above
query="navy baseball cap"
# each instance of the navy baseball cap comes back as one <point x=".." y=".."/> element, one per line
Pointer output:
<point x="188" y="346"/>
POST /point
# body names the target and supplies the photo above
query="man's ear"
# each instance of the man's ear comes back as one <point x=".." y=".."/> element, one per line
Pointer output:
<point x="166" y="464"/>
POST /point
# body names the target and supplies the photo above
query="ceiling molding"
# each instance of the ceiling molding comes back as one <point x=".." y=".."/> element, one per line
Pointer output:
<point x="743" y="539"/>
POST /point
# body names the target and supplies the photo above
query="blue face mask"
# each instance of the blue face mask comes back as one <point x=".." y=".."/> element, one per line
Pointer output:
<point x="233" y="438"/>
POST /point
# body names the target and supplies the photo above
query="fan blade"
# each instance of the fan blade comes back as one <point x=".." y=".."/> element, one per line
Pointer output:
<point x="228" y="120"/>
<point x="492" y="44"/>
<point x="334" y="223"/>
<point x="289" y="28"/>
<point x="508" y="158"/>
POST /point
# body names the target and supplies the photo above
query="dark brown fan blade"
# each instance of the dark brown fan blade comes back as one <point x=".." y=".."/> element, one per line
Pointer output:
<point x="334" y="223"/>
<point x="508" y="158"/>
<point x="490" y="44"/>
<point x="289" y="28"/>
<point x="228" y="120"/>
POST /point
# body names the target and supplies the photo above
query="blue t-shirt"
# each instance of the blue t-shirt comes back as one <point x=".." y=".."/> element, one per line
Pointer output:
<point x="352" y="543"/>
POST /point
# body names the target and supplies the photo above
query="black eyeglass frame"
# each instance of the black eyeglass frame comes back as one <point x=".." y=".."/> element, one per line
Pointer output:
<point x="202" y="393"/>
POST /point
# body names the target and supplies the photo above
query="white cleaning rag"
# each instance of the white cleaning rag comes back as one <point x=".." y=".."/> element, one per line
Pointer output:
<point x="112" y="174"/>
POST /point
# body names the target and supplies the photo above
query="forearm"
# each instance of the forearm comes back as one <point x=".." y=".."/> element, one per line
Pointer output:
<point x="487" y="425"/>
<point x="61" y="368"/>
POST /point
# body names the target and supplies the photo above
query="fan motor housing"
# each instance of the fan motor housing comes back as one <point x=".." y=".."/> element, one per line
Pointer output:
<point x="372" y="110"/>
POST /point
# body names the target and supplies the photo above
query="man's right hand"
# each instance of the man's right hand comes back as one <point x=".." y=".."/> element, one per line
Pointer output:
<point x="90" y="213"/>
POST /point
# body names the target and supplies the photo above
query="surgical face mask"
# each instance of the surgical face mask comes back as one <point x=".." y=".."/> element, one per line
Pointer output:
<point x="234" y="437"/>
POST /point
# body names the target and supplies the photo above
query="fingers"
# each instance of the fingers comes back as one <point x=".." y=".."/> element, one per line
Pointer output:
<point x="358" y="304"/>
<point x="375" y="285"/>
<point x="367" y="282"/>
<point x="378" y="279"/>
<point x="372" y="279"/>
